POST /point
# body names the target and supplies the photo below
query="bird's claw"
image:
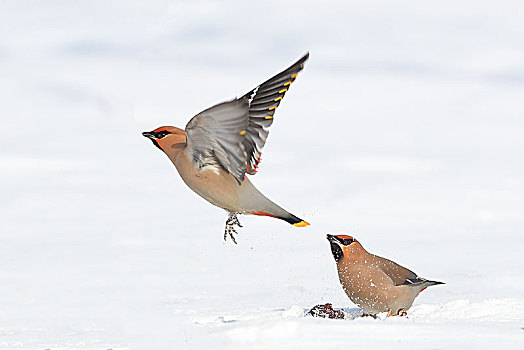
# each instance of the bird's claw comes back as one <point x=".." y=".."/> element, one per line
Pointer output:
<point x="230" y="230"/>
<point x="400" y="313"/>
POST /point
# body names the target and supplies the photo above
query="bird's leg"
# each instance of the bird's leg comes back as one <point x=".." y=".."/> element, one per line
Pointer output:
<point x="365" y="314"/>
<point x="390" y="313"/>
<point x="230" y="230"/>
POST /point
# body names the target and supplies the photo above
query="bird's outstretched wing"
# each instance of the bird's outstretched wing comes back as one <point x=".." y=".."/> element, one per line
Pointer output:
<point x="234" y="132"/>
<point x="263" y="101"/>
<point x="217" y="133"/>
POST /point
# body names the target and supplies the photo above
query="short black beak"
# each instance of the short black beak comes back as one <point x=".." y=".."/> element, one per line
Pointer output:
<point x="148" y="134"/>
<point x="332" y="238"/>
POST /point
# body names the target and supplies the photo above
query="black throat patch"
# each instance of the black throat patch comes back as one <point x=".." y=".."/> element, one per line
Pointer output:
<point x="336" y="251"/>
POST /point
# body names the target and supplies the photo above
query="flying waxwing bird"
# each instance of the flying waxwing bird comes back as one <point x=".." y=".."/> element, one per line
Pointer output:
<point x="375" y="284"/>
<point x="223" y="143"/>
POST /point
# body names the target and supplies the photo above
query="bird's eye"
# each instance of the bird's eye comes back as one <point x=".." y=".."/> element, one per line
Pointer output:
<point x="161" y="134"/>
<point x="347" y="241"/>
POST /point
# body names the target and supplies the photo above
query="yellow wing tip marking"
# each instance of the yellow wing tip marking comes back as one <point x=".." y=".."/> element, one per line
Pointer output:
<point x="288" y="83"/>
<point x="277" y="99"/>
<point x="281" y="91"/>
<point x="293" y="76"/>
<point x="243" y="132"/>
<point x="272" y="108"/>
<point x="301" y="224"/>
<point x="268" y="117"/>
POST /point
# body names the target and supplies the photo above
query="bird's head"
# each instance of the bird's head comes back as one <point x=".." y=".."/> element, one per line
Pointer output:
<point x="342" y="245"/>
<point x="167" y="138"/>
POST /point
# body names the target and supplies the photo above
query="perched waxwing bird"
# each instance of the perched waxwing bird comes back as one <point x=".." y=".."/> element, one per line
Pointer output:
<point x="375" y="284"/>
<point x="222" y="144"/>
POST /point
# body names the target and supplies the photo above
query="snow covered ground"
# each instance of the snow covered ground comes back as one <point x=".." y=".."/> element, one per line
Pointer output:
<point x="405" y="130"/>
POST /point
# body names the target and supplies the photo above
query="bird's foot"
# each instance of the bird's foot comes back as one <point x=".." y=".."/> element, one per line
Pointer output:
<point x="364" y="314"/>
<point x="230" y="230"/>
<point x="400" y="313"/>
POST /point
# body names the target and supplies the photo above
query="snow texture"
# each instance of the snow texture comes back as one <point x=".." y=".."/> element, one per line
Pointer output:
<point x="404" y="130"/>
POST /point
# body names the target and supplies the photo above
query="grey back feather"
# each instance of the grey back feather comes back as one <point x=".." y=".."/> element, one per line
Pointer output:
<point x="398" y="274"/>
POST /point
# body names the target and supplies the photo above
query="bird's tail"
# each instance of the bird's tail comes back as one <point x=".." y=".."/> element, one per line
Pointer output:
<point x="288" y="217"/>
<point x="295" y="221"/>
<point x="253" y="202"/>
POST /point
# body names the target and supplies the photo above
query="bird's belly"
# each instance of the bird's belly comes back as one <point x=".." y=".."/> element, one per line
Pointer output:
<point x="403" y="299"/>
<point x="369" y="302"/>
<point x="371" y="296"/>
<point x="214" y="185"/>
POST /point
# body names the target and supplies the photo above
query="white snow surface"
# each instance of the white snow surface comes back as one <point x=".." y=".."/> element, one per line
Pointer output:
<point x="405" y="130"/>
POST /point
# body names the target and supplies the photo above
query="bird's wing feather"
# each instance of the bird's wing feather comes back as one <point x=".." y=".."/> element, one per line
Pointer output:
<point x="234" y="132"/>
<point x="263" y="101"/>
<point x="398" y="274"/>
<point x="218" y="132"/>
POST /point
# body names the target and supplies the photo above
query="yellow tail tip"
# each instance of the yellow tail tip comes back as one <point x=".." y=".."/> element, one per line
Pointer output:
<point x="301" y="224"/>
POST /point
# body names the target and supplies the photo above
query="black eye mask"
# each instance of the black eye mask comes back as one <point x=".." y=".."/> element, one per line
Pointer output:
<point x="161" y="134"/>
<point x="347" y="241"/>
